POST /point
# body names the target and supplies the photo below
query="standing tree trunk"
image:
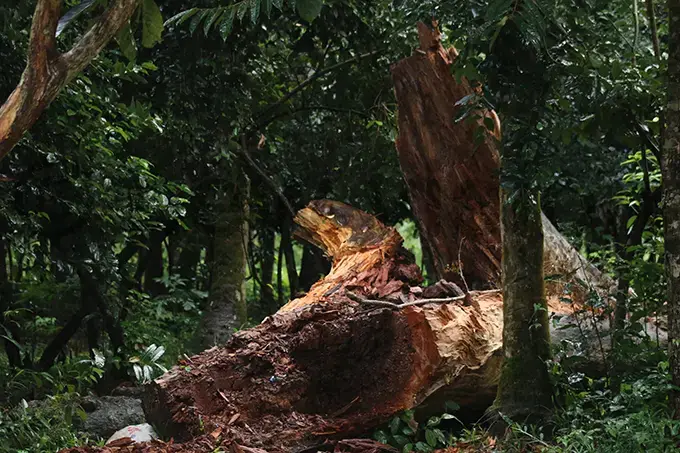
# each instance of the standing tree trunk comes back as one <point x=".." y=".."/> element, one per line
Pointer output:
<point x="314" y="266"/>
<point x="48" y="71"/>
<point x="227" y="301"/>
<point x="154" y="264"/>
<point x="524" y="389"/>
<point x="288" y="251"/>
<point x="267" y="295"/>
<point x="6" y="297"/>
<point x="671" y="190"/>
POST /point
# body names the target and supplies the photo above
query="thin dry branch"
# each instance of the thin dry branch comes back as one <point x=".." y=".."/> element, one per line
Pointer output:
<point x="415" y="303"/>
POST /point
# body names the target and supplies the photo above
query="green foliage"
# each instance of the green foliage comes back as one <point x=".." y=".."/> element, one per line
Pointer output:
<point x="44" y="426"/>
<point x="407" y="435"/>
<point x="146" y="365"/>
<point x="152" y="23"/>
<point x="224" y="17"/>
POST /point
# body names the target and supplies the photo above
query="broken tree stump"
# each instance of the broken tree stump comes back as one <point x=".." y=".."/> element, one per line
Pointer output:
<point x="452" y="173"/>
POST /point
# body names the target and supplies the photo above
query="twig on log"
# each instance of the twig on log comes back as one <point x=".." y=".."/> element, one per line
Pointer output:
<point x="384" y="303"/>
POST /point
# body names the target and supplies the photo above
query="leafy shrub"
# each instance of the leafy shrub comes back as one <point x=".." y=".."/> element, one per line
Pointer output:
<point x="41" y="426"/>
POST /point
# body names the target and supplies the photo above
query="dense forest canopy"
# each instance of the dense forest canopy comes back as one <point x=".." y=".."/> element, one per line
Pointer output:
<point x="154" y="154"/>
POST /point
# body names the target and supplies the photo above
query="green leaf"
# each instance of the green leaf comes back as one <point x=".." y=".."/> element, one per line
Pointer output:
<point x="422" y="446"/>
<point x="267" y="7"/>
<point x="309" y="9"/>
<point x="242" y="9"/>
<point x="227" y="23"/>
<point x="193" y="25"/>
<point x="400" y="440"/>
<point x="394" y="425"/>
<point x="180" y="18"/>
<point x="152" y="23"/>
<point x="433" y="421"/>
<point x="431" y="438"/>
<point x="278" y="4"/>
<point x="212" y="17"/>
<point x="408" y="448"/>
<point x="254" y="11"/>
<point x="381" y="436"/>
<point x="126" y="42"/>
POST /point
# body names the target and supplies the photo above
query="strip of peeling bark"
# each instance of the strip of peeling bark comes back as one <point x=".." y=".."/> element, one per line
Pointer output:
<point x="47" y="71"/>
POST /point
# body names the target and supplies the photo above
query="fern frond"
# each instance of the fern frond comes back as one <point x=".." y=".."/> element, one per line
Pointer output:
<point x="224" y="16"/>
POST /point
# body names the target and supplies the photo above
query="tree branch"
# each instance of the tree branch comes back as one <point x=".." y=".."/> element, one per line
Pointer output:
<point x="270" y="120"/>
<point x="47" y="72"/>
<point x="99" y="34"/>
<point x="651" y="16"/>
<point x="383" y="303"/>
<point x="313" y="77"/>
<point x="272" y="184"/>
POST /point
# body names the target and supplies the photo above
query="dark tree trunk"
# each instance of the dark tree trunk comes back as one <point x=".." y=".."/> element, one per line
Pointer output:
<point x="267" y="295"/>
<point x="127" y="282"/>
<point x="227" y="301"/>
<point x="671" y="195"/>
<point x="524" y="390"/>
<point x="6" y="298"/>
<point x="154" y="264"/>
<point x="189" y="258"/>
<point x="314" y="266"/>
<point x="288" y="252"/>
<point x="279" y="275"/>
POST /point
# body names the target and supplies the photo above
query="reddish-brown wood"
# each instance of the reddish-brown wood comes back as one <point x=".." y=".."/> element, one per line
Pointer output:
<point x="453" y="178"/>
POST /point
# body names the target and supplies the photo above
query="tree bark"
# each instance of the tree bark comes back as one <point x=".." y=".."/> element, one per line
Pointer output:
<point x="451" y="169"/>
<point x="524" y="390"/>
<point x="267" y="270"/>
<point x="314" y="266"/>
<point x="287" y="247"/>
<point x="227" y="301"/>
<point x="6" y="297"/>
<point x="154" y="264"/>
<point x="671" y="194"/>
<point x="47" y="71"/>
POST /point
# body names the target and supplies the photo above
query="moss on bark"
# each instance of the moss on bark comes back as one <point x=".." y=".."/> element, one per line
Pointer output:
<point x="524" y="391"/>
<point x="227" y="301"/>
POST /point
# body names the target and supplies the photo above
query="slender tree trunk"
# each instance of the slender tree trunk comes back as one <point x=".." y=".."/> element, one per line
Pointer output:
<point x="154" y="265"/>
<point x="428" y="261"/>
<point x="267" y="296"/>
<point x="651" y="16"/>
<point x="6" y="297"/>
<point x="188" y="262"/>
<point x="112" y="326"/>
<point x="313" y="267"/>
<point x="279" y="275"/>
<point x="287" y="246"/>
<point x="227" y="301"/>
<point x="524" y="390"/>
<point x="671" y="188"/>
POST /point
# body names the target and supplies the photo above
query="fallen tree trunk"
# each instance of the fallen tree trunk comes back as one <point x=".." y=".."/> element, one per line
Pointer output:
<point x="361" y="346"/>
<point x="452" y="172"/>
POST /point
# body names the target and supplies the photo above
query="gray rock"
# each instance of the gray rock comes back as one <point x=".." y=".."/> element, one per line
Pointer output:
<point x="108" y="414"/>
